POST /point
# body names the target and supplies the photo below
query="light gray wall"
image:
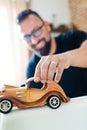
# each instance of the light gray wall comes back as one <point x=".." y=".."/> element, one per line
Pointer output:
<point x="48" y="8"/>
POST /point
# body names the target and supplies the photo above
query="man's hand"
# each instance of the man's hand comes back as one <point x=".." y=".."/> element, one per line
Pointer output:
<point x="50" y="65"/>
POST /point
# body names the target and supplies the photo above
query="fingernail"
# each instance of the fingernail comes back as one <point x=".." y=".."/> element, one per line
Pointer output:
<point x="56" y="81"/>
<point x="48" y="81"/>
<point x="37" y="79"/>
<point x="43" y="81"/>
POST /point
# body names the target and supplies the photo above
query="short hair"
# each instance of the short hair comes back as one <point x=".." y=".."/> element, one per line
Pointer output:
<point x="24" y="14"/>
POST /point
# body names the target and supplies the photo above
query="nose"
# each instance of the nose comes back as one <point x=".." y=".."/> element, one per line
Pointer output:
<point x="34" y="39"/>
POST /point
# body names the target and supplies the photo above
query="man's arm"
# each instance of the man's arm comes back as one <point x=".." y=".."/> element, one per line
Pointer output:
<point x="78" y="57"/>
<point x="48" y="65"/>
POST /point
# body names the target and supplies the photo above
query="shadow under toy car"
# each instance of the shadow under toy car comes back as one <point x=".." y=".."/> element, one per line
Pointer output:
<point x="26" y="97"/>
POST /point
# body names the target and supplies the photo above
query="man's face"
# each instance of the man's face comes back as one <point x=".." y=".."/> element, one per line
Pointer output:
<point x="37" y="34"/>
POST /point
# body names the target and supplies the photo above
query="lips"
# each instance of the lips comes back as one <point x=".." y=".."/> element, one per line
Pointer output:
<point x="40" y="45"/>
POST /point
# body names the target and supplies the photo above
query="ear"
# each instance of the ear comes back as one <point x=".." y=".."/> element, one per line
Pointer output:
<point x="47" y="25"/>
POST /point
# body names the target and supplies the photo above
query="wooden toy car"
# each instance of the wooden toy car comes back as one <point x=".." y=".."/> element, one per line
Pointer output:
<point x="26" y="97"/>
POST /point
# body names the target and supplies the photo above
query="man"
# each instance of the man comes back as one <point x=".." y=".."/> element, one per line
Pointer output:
<point x="62" y="56"/>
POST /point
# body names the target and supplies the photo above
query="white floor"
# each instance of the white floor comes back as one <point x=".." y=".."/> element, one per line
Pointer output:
<point x="69" y="116"/>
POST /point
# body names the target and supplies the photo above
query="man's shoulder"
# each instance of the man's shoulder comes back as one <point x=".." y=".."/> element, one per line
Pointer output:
<point x="77" y="32"/>
<point x="72" y="34"/>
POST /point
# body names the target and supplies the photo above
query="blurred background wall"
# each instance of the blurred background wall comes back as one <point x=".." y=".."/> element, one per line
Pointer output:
<point x="63" y="15"/>
<point x="78" y="9"/>
<point x="55" y="11"/>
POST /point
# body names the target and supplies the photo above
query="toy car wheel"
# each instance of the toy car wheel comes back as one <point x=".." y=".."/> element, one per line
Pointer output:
<point x="5" y="106"/>
<point x="54" y="101"/>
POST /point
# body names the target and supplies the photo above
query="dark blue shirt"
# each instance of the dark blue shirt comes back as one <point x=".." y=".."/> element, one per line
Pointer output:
<point x="74" y="79"/>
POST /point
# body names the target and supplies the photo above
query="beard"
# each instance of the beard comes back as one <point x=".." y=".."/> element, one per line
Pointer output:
<point x="45" y="50"/>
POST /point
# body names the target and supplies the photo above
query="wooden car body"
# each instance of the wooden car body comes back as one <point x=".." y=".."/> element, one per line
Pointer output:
<point x="25" y="97"/>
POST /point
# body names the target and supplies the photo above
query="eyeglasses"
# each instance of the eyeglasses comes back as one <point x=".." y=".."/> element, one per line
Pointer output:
<point x="35" y="33"/>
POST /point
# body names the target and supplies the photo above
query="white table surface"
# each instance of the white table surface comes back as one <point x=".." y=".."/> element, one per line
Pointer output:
<point x="69" y="116"/>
